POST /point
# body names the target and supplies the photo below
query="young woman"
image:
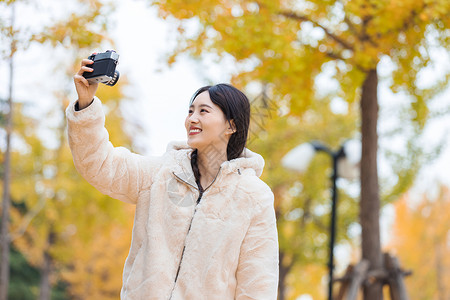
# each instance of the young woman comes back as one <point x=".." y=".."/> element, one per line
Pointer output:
<point x="205" y="224"/>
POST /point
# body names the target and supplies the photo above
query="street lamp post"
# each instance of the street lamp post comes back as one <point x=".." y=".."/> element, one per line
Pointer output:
<point x="345" y="162"/>
<point x="335" y="157"/>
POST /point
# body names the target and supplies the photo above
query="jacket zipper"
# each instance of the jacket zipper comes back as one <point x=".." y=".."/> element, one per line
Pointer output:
<point x="184" y="246"/>
<point x="190" y="224"/>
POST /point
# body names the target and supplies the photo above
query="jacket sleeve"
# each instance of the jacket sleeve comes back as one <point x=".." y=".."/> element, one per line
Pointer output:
<point x="113" y="171"/>
<point x="257" y="272"/>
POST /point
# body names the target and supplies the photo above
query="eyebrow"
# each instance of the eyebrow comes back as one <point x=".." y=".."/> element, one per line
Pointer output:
<point x="201" y="105"/>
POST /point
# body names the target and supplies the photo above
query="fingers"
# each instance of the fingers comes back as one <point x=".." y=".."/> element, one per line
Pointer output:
<point x="86" y="62"/>
<point x="79" y="78"/>
<point x="84" y="69"/>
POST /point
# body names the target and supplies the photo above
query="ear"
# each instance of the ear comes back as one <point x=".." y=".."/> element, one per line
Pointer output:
<point x="231" y="127"/>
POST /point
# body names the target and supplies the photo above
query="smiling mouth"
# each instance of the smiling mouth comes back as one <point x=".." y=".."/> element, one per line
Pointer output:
<point x="194" y="131"/>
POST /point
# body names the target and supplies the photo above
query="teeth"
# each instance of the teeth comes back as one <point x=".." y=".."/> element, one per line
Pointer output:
<point x="195" y="130"/>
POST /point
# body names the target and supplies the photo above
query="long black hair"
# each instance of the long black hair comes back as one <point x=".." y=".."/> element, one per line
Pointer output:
<point x="236" y="107"/>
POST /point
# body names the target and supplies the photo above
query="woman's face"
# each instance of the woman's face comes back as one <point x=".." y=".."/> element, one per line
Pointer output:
<point x="206" y="125"/>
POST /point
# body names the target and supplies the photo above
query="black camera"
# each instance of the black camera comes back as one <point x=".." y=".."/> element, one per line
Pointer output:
<point x="104" y="68"/>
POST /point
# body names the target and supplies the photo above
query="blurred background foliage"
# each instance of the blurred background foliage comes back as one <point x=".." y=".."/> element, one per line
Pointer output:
<point x="68" y="238"/>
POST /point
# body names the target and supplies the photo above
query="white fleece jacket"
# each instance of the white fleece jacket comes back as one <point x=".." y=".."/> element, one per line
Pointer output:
<point x="225" y="247"/>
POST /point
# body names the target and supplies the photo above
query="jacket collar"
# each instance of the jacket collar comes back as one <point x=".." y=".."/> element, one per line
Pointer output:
<point x="247" y="161"/>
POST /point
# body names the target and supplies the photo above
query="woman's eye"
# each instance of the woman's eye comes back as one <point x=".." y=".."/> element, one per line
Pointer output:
<point x="201" y="110"/>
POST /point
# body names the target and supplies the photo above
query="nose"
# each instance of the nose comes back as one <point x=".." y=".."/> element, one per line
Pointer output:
<point x="193" y="118"/>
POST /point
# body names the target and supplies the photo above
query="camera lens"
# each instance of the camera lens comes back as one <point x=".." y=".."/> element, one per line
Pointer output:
<point x="114" y="80"/>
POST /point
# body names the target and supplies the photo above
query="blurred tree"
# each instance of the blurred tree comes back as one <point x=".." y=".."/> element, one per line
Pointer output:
<point x="422" y="223"/>
<point x="24" y="278"/>
<point x="290" y="43"/>
<point x="303" y="201"/>
<point x="7" y="30"/>
<point x="45" y="180"/>
<point x="97" y="272"/>
<point x="70" y="234"/>
<point x="24" y="283"/>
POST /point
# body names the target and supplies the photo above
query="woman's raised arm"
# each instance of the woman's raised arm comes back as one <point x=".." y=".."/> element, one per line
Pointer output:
<point x="114" y="171"/>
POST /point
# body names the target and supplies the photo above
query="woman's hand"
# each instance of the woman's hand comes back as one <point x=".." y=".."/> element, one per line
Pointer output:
<point x="85" y="90"/>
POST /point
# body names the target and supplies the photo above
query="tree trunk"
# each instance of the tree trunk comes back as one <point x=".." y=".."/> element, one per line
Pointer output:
<point x="46" y="269"/>
<point x="5" y="239"/>
<point x="284" y="271"/>
<point x="6" y="203"/>
<point x="44" y="292"/>
<point x="370" y="200"/>
<point x="440" y="271"/>
<point x="47" y="264"/>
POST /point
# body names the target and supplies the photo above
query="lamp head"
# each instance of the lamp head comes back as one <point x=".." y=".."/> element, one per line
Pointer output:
<point x="299" y="158"/>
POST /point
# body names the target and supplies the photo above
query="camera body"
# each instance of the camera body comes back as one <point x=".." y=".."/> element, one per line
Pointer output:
<point x="104" y="68"/>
